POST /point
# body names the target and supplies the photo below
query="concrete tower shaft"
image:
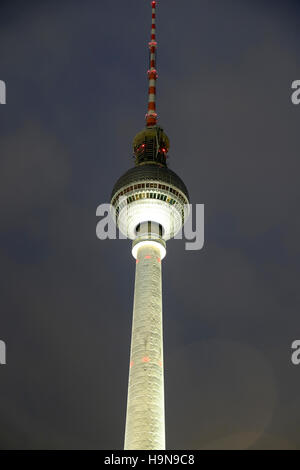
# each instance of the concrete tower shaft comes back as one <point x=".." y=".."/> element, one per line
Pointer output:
<point x="145" y="420"/>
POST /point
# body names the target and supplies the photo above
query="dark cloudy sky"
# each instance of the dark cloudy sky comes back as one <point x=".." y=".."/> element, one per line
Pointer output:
<point x="76" y="95"/>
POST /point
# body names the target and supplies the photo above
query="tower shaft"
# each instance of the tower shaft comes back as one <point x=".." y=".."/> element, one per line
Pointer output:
<point x="145" y="419"/>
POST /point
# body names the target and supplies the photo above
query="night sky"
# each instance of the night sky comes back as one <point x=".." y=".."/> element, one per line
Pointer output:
<point x="76" y="82"/>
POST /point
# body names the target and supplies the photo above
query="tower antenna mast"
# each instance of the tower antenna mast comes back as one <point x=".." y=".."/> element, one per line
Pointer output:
<point x="151" y="116"/>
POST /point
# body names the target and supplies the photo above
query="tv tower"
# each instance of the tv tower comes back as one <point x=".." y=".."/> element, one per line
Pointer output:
<point x="150" y="204"/>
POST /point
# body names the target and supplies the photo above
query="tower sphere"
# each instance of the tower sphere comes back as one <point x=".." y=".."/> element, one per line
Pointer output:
<point x="150" y="192"/>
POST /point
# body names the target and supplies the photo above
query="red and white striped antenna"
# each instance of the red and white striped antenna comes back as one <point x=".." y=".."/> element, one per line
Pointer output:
<point x="151" y="116"/>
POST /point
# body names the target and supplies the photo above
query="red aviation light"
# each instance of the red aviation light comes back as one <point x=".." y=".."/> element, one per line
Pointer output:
<point x="147" y="257"/>
<point x="131" y="364"/>
<point x="152" y="74"/>
<point x="151" y="115"/>
<point x="146" y="359"/>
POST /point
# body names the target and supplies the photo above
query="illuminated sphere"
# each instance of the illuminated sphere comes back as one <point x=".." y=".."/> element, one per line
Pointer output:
<point x="150" y="192"/>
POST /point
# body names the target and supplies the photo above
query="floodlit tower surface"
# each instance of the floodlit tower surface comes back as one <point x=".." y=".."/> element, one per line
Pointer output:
<point x="150" y="204"/>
